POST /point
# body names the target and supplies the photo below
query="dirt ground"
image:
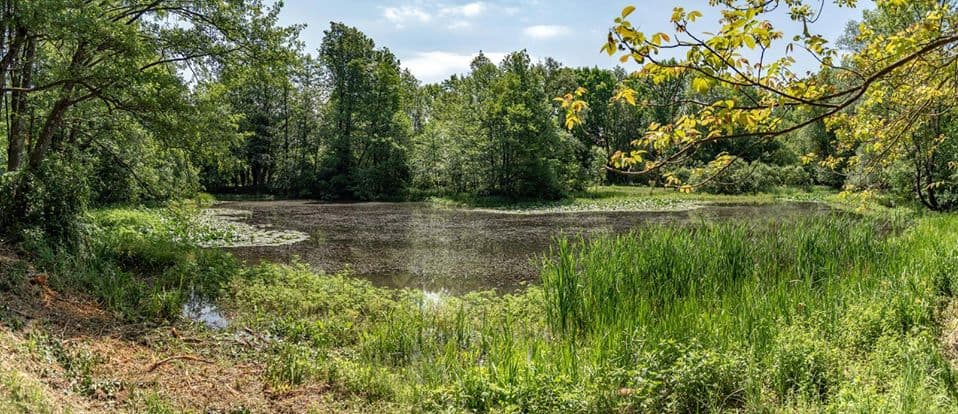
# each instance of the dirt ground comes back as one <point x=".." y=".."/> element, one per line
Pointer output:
<point x="82" y="359"/>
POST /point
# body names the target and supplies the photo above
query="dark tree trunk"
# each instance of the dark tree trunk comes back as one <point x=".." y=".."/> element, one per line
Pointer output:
<point x="44" y="141"/>
<point x="18" y="126"/>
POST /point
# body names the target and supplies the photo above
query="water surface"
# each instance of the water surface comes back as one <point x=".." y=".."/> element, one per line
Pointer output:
<point x="453" y="250"/>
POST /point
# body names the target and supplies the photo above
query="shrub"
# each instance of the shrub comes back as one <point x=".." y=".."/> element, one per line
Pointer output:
<point x="739" y="178"/>
<point x="745" y="178"/>
<point x="802" y="366"/>
<point x="45" y="202"/>
<point x="685" y="378"/>
<point x="793" y="176"/>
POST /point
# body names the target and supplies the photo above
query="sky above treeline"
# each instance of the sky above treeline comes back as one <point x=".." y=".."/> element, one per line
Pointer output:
<point x="437" y="38"/>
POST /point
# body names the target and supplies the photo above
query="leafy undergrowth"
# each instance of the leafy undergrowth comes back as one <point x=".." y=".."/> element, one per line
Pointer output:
<point x="142" y="263"/>
<point x="22" y="392"/>
<point x="818" y="315"/>
<point x="63" y="352"/>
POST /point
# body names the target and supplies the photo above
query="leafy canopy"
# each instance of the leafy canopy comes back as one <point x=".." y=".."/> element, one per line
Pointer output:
<point x="876" y="97"/>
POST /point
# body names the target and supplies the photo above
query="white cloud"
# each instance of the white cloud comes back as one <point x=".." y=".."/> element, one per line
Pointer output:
<point x="545" y="31"/>
<point x="400" y="16"/>
<point x="459" y="25"/>
<point x="436" y="66"/>
<point x="466" y="10"/>
<point x="457" y="16"/>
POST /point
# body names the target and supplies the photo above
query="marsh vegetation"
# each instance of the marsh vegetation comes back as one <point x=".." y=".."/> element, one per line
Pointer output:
<point x="718" y="231"/>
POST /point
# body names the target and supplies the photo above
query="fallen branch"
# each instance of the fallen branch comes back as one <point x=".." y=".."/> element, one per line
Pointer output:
<point x="22" y="314"/>
<point x="255" y="335"/>
<point x="174" y="358"/>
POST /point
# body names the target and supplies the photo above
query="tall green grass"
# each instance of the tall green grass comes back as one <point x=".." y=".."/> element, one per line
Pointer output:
<point x="723" y="282"/>
<point x="826" y="314"/>
<point x="139" y="262"/>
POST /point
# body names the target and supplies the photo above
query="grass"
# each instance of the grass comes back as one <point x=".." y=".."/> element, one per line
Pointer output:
<point x="840" y="316"/>
<point x="141" y="262"/>
<point x="19" y="394"/>
<point x="22" y="393"/>
<point x="829" y="314"/>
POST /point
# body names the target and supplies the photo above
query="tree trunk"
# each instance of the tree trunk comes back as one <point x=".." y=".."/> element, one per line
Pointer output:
<point x="18" y="128"/>
<point x="45" y="140"/>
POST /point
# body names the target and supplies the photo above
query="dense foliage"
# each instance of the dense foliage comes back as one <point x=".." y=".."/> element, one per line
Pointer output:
<point x="221" y="98"/>
<point x="882" y="94"/>
<point x="842" y="316"/>
<point x="144" y="103"/>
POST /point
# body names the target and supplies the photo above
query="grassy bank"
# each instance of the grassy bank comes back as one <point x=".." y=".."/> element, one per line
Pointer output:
<point x="722" y="317"/>
<point x="836" y="315"/>
<point x="624" y="198"/>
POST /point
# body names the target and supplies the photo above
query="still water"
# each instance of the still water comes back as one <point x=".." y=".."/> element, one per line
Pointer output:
<point x="453" y="250"/>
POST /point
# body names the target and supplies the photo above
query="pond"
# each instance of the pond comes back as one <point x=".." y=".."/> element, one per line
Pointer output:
<point x="419" y="246"/>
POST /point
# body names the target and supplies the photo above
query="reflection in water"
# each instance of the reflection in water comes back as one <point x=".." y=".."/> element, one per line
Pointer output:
<point x="199" y="309"/>
<point x="431" y="300"/>
<point x="418" y="246"/>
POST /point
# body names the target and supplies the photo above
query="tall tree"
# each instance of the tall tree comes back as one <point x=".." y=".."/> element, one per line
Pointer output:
<point x="527" y="154"/>
<point x="368" y="130"/>
<point x="96" y="79"/>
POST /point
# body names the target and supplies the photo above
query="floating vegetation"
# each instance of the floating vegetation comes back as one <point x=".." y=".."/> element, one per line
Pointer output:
<point x="599" y="205"/>
<point x="224" y="227"/>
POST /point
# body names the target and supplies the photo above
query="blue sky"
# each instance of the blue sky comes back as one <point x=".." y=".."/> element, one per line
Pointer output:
<point x="437" y="38"/>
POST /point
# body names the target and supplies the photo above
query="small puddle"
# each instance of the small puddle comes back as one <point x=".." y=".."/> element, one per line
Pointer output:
<point x="202" y="310"/>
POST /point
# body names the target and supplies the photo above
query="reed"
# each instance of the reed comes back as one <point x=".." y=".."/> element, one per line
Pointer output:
<point x="812" y="315"/>
<point x="840" y="314"/>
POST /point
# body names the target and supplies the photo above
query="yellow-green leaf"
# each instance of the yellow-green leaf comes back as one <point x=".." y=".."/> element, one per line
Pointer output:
<point x="700" y="85"/>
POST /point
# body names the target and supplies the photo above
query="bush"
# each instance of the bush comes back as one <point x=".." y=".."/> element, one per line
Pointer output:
<point x="112" y="183"/>
<point x="793" y="176"/>
<point x="748" y="178"/>
<point x="45" y="202"/>
<point x="802" y="366"/>
<point x="686" y="379"/>
<point x="739" y="178"/>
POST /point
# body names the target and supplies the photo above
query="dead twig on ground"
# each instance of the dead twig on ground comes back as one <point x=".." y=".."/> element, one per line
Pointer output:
<point x="157" y="364"/>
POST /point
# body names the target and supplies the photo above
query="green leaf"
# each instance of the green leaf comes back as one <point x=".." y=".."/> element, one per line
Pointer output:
<point x="700" y="85"/>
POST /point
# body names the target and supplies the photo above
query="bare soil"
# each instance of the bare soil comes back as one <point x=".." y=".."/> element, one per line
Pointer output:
<point x="186" y="367"/>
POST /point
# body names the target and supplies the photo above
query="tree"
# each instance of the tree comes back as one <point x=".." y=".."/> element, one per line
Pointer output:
<point x="494" y="132"/>
<point x="367" y="128"/>
<point x="772" y="101"/>
<point x="527" y="157"/>
<point x="905" y="121"/>
<point x="102" y="83"/>
<point x="259" y="85"/>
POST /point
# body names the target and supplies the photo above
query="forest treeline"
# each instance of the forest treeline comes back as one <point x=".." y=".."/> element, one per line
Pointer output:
<point x="349" y="123"/>
<point x="120" y="102"/>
